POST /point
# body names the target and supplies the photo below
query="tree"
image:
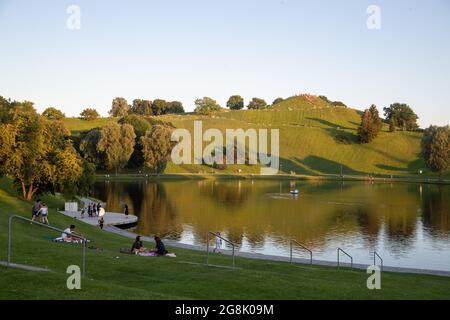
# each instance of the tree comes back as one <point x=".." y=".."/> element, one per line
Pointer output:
<point x="436" y="148"/>
<point x="141" y="107"/>
<point x="370" y="125"/>
<point x="89" y="114"/>
<point x="38" y="154"/>
<point x="88" y="147"/>
<point x="159" y="107"/>
<point x="277" y="100"/>
<point x="235" y="102"/>
<point x="53" y="114"/>
<point x="156" y="147"/>
<point x="140" y="126"/>
<point x="119" y="107"/>
<point x="257" y="104"/>
<point x="175" y="107"/>
<point x="402" y="116"/>
<point x="8" y="108"/>
<point x="206" y="106"/>
<point x="116" y="144"/>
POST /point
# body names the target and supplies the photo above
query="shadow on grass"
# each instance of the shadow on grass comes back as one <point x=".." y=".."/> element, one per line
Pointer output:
<point x="323" y="165"/>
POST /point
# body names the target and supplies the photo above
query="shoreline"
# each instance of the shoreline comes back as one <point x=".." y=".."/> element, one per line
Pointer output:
<point x="287" y="177"/>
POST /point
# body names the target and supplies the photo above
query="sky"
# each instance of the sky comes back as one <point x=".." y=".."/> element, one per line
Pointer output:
<point x="183" y="50"/>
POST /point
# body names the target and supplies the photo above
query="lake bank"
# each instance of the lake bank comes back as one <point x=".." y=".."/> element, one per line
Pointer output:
<point x="205" y="176"/>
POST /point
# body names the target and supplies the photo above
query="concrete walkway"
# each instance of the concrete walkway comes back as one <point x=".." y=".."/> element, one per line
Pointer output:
<point x="111" y="218"/>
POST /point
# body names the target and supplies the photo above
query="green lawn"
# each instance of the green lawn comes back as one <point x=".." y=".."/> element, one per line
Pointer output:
<point x="111" y="275"/>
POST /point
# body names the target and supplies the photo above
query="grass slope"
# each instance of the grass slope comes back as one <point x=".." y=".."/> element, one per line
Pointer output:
<point x="315" y="138"/>
<point x="111" y="275"/>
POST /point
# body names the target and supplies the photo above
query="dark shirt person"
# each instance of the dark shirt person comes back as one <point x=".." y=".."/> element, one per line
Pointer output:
<point x="138" y="246"/>
<point x="160" y="248"/>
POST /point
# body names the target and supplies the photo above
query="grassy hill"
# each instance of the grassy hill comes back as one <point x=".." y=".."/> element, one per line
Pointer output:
<point x="111" y="275"/>
<point x="315" y="138"/>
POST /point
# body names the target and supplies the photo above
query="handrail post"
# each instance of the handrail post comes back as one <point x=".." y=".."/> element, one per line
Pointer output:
<point x="301" y="246"/>
<point x="351" y="258"/>
<point x="290" y="256"/>
<point x="9" y="240"/>
<point x="207" y="248"/>
<point x="233" y="257"/>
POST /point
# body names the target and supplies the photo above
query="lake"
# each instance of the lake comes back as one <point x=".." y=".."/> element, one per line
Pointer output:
<point x="407" y="224"/>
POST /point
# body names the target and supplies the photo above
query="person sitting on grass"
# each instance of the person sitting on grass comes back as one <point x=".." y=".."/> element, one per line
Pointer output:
<point x="138" y="246"/>
<point x="69" y="235"/>
<point x="160" y="249"/>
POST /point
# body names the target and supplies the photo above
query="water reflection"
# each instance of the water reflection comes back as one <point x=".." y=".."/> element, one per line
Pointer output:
<point x="397" y="220"/>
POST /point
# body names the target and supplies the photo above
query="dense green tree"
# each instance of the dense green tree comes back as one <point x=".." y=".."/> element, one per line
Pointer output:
<point x="257" y="104"/>
<point x="436" y="148"/>
<point x="235" y="102"/>
<point x="116" y="144"/>
<point x="159" y="107"/>
<point x="370" y="125"/>
<point x="175" y="107"/>
<point x="38" y="154"/>
<point x="88" y="147"/>
<point x="89" y="114"/>
<point x="8" y="108"/>
<point x="140" y="126"/>
<point x="157" y="147"/>
<point x="119" y="107"/>
<point x="53" y="114"/>
<point x="141" y="107"/>
<point x="402" y="116"/>
<point x="206" y="106"/>
<point x="277" y="100"/>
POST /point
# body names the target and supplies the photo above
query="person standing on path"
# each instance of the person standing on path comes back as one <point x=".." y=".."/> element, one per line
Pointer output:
<point x="218" y="243"/>
<point x="126" y="211"/>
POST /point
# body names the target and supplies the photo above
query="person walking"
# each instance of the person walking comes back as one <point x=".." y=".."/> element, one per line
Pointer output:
<point x="94" y="209"/>
<point x="35" y="209"/>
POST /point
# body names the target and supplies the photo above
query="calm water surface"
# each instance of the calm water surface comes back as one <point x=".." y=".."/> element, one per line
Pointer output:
<point x="407" y="224"/>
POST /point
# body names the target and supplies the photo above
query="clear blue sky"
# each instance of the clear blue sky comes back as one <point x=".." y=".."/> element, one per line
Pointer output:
<point x="182" y="50"/>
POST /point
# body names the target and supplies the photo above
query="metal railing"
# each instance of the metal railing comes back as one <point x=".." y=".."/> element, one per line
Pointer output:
<point x="301" y="246"/>
<point x="375" y="255"/>
<point x="351" y="258"/>
<point x="11" y="218"/>
<point x="226" y="240"/>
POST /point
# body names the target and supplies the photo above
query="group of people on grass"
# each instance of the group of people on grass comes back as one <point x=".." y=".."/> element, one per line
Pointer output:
<point x="40" y="210"/>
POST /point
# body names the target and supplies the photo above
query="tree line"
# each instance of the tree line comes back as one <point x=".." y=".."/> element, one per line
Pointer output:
<point x="39" y="153"/>
<point x="435" y="143"/>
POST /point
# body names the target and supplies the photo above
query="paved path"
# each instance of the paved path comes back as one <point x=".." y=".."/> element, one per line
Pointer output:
<point x="111" y="218"/>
